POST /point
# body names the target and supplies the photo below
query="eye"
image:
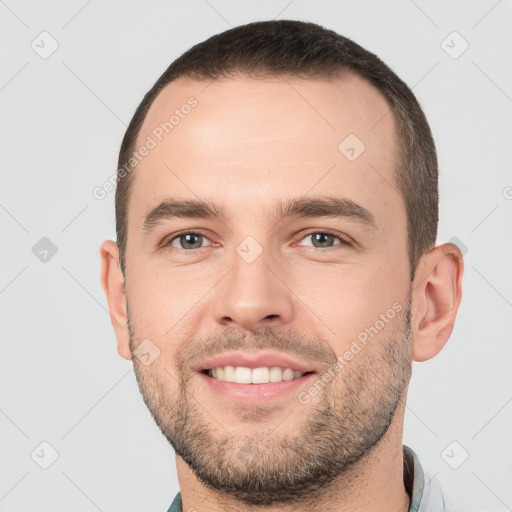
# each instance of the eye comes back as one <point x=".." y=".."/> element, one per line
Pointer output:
<point x="324" y="239"/>
<point x="188" y="240"/>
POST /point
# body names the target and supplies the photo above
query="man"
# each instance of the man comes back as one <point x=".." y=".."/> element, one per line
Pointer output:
<point x="276" y="273"/>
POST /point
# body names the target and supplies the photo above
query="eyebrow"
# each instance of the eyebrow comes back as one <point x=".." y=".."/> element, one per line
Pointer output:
<point x="304" y="207"/>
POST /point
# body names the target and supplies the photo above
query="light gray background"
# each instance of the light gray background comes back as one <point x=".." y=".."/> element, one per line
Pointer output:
<point x="62" y="120"/>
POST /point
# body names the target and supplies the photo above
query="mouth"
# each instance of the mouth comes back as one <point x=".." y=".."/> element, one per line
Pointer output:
<point x="256" y="386"/>
<point x="252" y="377"/>
<point x="259" y="376"/>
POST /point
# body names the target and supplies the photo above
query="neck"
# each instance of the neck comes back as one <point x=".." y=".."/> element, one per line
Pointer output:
<point x="375" y="483"/>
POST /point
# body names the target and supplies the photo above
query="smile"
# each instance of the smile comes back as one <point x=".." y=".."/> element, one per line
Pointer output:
<point x="245" y="375"/>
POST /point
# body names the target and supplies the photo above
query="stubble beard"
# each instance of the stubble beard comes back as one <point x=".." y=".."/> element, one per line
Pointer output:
<point x="261" y="463"/>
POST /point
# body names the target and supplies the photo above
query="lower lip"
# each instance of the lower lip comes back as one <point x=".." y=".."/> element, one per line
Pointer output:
<point x="245" y="393"/>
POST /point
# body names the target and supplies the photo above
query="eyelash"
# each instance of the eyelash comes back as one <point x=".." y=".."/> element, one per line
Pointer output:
<point x="343" y="239"/>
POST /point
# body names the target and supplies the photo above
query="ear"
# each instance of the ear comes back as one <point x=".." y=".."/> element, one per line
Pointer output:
<point x="112" y="281"/>
<point x="437" y="292"/>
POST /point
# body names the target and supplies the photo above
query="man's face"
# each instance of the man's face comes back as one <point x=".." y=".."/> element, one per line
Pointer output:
<point x="309" y="287"/>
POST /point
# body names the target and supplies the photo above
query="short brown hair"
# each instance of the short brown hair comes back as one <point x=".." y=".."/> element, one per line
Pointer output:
<point x="306" y="50"/>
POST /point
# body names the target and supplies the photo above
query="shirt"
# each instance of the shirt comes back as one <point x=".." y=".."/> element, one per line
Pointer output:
<point x="425" y="492"/>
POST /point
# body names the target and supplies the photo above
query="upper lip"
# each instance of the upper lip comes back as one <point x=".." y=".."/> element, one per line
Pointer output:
<point x="254" y="360"/>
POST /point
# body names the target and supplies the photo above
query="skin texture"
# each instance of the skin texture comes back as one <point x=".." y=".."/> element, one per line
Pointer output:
<point x="248" y="144"/>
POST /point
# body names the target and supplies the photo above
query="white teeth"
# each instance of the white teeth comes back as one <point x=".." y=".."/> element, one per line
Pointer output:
<point x="276" y="374"/>
<point x="262" y="375"/>
<point x="242" y="375"/>
<point x="229" y="373"/>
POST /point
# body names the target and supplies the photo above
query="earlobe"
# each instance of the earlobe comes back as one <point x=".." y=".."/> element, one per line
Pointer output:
<point x="112" y="282"/>
<point x="437" y="292"/>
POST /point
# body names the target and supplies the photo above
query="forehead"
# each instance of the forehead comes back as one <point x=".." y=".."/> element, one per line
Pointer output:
<point x="254" y="140"/>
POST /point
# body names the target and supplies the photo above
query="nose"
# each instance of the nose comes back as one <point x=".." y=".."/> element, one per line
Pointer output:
<point x="254" y="294"/>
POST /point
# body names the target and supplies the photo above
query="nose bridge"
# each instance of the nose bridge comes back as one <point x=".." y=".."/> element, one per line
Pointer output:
<point x="252" y="295"/>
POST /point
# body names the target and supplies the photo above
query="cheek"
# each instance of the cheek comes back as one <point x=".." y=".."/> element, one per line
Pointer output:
<point x="159" y="383"/>
<point x="164" y="302"/>
<point x="351" y="300"/>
